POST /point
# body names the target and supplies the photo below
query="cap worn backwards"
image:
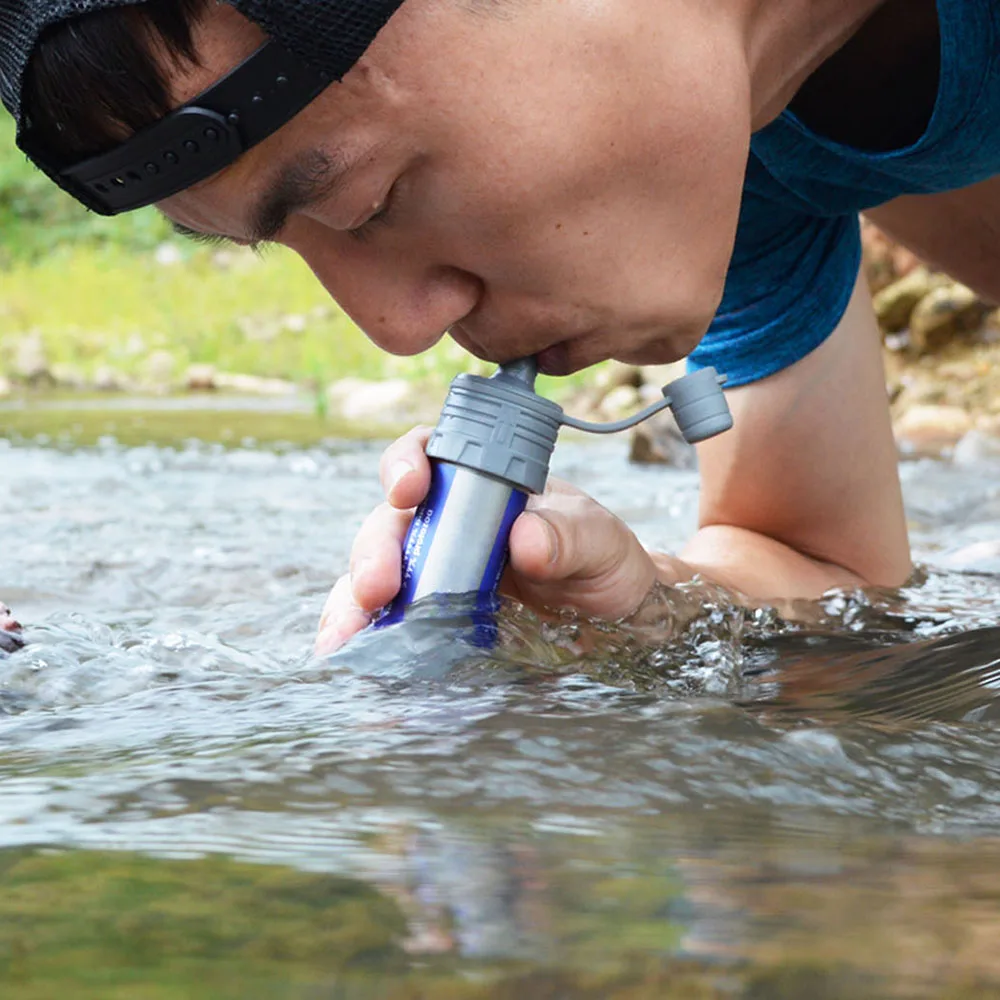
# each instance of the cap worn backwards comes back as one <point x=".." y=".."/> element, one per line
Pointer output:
<point x="311" y="42"/>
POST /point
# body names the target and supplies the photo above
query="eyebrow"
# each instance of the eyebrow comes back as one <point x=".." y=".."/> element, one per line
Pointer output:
<point x="313" y="177"/>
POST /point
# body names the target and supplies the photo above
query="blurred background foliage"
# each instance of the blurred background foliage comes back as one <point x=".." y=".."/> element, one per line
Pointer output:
<point x="95" y="291"/>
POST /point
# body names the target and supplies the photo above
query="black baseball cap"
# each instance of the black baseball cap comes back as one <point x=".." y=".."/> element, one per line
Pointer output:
<point x="311" y="44"/>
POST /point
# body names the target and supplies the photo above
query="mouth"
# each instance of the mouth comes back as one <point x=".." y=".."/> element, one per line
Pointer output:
<point x="564" y="357"/>
<point x="555" y="360"/>
<point x="552" y="360"/>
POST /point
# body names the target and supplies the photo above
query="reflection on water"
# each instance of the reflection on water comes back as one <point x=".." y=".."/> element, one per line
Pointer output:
<point x="740" y="803"/>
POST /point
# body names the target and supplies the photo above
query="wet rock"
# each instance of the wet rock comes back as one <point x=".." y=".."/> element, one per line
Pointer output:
<point x="895" y="304"/>
<point x="30" y="362"/>
<point x="977" y="447"/>
<point x="254" y="385"/>
<point x="918" y="389"/>
<point x="658" y="441"/>
<point x="942" y="314"/>
<point x="588" y="403"/>
<point x="10" y="642"/>
<point x="200" y="378"/>
<point x="386" y="402"/>
<point x="929" y="430"/>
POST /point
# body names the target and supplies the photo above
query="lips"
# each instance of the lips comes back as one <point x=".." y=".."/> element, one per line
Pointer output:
<point x="555" y="360"/>
<point x="561" y="358"/>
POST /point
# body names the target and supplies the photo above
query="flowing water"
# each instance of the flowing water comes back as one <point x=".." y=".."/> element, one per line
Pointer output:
<point x="732" y="804"/>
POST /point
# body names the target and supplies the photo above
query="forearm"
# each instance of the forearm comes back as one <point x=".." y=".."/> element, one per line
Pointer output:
<point x="753" y="564"/>
<point x="803" y="494"/>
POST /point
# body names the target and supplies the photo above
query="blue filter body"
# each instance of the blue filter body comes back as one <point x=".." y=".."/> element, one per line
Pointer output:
<point x="457" y="544"/>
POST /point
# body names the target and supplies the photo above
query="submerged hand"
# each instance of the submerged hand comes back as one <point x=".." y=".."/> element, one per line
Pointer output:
<point x="566" y="551"/>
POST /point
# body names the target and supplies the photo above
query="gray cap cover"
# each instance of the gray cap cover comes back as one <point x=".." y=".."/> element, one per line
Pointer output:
<point x="499" y="426"/>
<point x="699" y="405"/>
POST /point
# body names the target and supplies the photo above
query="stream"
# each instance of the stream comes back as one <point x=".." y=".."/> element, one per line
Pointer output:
<point x="740" y="803"/>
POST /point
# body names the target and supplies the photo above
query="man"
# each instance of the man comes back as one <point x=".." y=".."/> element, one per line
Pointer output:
<point x="582" y="180"/>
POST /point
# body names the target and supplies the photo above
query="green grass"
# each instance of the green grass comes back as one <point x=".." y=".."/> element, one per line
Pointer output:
<point x="96" y="293"/>
<point x="106" y="305"/>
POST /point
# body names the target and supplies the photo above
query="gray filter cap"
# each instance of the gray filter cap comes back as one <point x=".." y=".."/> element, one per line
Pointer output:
<point x="499" y="426"/>
<point x="699" y="405"/>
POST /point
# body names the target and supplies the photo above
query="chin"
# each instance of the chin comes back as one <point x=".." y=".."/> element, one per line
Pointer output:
<point x="651" y="354"/>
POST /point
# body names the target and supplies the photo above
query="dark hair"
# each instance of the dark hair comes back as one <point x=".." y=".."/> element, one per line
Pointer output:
<point x="98" y="78"/>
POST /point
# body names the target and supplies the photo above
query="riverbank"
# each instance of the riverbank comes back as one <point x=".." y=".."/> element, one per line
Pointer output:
<point x="110" y="313"/>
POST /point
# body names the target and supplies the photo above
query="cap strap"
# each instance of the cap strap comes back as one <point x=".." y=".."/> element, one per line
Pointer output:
<point x="194" y="142"/>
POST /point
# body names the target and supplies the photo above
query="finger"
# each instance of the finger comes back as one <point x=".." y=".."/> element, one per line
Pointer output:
<point x="570" y="550"/>
<point x="404" y="469"/>
<point x="377" y="557"/>
<point x="342" y="618"/>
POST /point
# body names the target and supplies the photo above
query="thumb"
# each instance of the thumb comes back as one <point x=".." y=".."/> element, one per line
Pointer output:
<point x="570" y="551"/>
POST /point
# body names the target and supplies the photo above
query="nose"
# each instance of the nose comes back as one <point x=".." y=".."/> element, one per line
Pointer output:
<point x="402" y="304"/>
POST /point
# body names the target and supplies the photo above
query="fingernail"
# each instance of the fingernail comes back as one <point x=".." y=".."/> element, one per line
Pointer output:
<point x="398" y="472"/>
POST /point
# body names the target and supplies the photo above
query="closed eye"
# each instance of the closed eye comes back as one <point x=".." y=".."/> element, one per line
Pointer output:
<point x="213" y="239"/>
<point x="205" y="239"/>
<point x="382" y="216"/>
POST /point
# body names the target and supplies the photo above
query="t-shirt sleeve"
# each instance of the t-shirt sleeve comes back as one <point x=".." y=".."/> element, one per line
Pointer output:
<point x="789" y="283"/>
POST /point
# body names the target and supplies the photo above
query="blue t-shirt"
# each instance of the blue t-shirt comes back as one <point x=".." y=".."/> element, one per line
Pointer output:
<point x="798" y="246"/>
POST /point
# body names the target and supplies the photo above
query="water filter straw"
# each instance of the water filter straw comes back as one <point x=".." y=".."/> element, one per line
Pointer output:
<point x="490" y="450"/>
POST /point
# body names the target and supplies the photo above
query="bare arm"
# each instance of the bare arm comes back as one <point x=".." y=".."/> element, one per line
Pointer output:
<point x="803" y="494"/>
<point x="958" y="231"/>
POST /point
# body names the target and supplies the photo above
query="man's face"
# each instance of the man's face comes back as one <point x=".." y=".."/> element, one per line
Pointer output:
<point x="554" y="176"/>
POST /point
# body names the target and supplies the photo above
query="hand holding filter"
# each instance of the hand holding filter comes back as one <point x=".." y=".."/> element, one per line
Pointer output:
<point x="491" y="449"/>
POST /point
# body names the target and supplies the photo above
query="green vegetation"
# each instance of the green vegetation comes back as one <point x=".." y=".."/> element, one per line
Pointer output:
<point x="37" y="219"/>
<point x="110" y="292"/>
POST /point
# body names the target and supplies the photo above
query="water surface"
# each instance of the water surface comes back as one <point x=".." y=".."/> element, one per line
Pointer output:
<point x="738" y="806"/>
